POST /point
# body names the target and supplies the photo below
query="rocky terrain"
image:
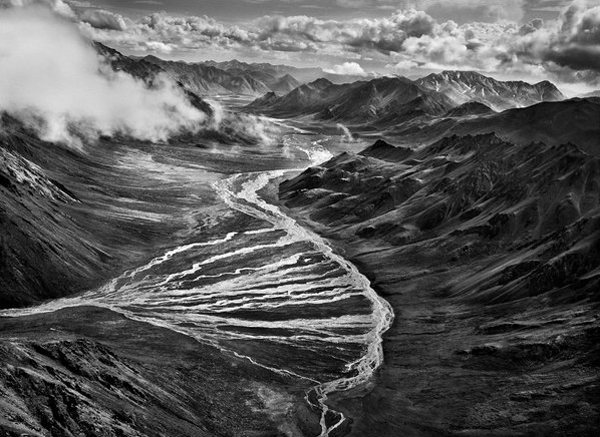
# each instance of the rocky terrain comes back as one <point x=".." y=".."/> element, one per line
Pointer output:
<point x="480" y="228"/>
<point x="401" y="103"/>
<point x="575" y="120"/>
<point x="206" y="79"/>
<point x="302" y="74"/>
<point x="379" y="102"/>
<point x="202" y="79"/>
<point x="72" y="216"/>
<point x="89" y="371"/>
<point x="489" y="253"/>
<point x="147" y="72"/>
<point x="465" y="86"/>
<point x="77" y="218"/>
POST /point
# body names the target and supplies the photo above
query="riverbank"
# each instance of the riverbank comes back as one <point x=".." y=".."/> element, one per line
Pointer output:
<point x="464" y="355"/>
<point x="92" y="371"/>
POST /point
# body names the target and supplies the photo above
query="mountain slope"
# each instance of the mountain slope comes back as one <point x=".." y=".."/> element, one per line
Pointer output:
<point x="203" y="79"/>
<point x="462" y="86"/>
<point x="305" y="99"/>
<point x="235" y="77"/>
<point x="284" y="84"/>
<point x="489" y="253"/>
<point x="382" y="101"/>
<point x="469" y="108"/>
<point x="268" y="70"/>
<point x="138" y="68"/>
<point x="146" y="71"/>
<point x="89" y="371"/>
<point x="576" y="121"/>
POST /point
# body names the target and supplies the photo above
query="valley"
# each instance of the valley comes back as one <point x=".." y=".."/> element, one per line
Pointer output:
<point x="279" y="251"/>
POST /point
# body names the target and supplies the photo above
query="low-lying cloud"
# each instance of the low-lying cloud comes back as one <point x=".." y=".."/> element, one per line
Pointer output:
<point x="54" y="79"/>
<point x="347" y="68"/>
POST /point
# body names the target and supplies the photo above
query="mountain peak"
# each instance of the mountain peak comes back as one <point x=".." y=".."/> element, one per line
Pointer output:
<point x="321" y="83"/>
<point x="460" y="74"/>
<point x="463" y="86"/>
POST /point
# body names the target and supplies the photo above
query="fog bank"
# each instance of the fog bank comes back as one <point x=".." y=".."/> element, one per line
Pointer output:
<point x="54" y="80"/>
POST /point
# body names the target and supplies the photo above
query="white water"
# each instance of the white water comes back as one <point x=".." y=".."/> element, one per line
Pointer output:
<point x="382" y="315"/>
<point x="198" y="288"/>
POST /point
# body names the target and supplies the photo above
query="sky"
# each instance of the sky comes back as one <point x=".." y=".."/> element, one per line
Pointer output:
<point x="534" y="40"/>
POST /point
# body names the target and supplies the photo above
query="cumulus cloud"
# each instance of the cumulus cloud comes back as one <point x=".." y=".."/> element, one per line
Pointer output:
<point x="573" y="41"/>
<point x="58" y="6"/>
<point x="405" y="39"/>
<point x="347" y="68"/>
<point x="52" y="77"/>
<point x="162" y="32"/>
<point x="489" y="12"/>
<point x="101" y="19"/>
<point x="270" y="33"/>
<point x="382" y="34"/>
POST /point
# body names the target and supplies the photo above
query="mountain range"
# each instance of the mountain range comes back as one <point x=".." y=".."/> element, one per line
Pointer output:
<point x="574" y="120"/>
<point x="489" y="253"/>
<point x="379" y="101"/>
<point x="207" y="79"/>
<point x="202" y="79"/>
<point x="392" y="100"/>
<point x="475" y="215"/>
<point x="465" y="86"/>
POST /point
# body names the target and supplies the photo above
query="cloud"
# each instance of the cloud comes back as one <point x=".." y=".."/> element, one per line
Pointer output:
<point x="347" y="68"/>
<point x="403" y="65"/>
<point x="58" y="6"/>
<point x="385" y="34"/>
<point x="573" y="41"/>
<point x="159" y="47"/>
<point x="101" y="19"/>
<point x="405" y="39"/>
<point x="270" y="33"/>
<point x="53" y="78"/>
<point x="507" y="10"/>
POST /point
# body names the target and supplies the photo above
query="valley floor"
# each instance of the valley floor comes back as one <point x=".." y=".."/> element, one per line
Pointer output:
<point x="472" y="351"/>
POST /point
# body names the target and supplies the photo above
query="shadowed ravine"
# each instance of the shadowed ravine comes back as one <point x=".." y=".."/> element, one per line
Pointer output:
<point x="277" y="296"/>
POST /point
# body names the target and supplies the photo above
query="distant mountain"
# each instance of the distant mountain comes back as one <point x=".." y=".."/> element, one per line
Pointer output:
<point x="264" y="68"/>
<point x="595" y="93"/>
<point x="470" y="108"/>
<point x="463" y="86"/>
<point x="575" y="121"/>
<point x="284" y="84"/>
<point x="136" y="67"/>
<point x="141" y="68"/>
<point x="204" y="80"/>
<point x="381" y="101"/>
<point x="306" y="99"/>
<point x="235" y="77"/>
<point x="303" y="75"/>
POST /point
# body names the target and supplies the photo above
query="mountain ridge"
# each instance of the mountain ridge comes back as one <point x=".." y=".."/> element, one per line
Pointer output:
<point x="380" y="101"/>
<point x="386" y="101"/>
<point x="462" y="86"/>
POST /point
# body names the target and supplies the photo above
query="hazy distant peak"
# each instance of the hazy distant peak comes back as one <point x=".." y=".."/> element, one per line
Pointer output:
<point x="321" y="83"/>
<point x="471" y="107"/>
<point x="463" y="86"/>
